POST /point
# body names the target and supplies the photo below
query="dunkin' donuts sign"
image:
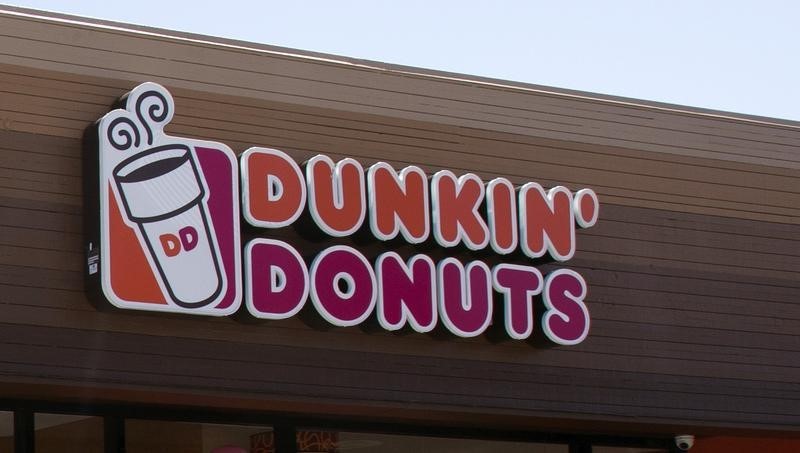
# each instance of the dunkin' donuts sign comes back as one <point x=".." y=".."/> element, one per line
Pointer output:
<point x="166" y="235"/>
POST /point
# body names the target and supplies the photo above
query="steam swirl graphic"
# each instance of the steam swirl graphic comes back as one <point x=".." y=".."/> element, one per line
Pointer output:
<point x="148" y="109"/>
<point x="123" y="134"/>
<point x="155" y="106"/>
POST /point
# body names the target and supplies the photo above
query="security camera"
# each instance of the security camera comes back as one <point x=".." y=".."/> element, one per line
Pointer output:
<point x="684" y="442"/>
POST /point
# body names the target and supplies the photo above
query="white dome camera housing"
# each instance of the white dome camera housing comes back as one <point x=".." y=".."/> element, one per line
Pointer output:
<point x="684" y="442"/>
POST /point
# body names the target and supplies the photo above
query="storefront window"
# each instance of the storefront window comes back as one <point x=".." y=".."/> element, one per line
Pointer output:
<point x="6" y="431"/>
<point x="309" y="441"/>
<point x="599" y="449"/>
<point x="56" y="433"/>
<point x="154" y="436"/>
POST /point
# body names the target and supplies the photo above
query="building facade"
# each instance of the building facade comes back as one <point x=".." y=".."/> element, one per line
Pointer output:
<point x="690" y="271"/>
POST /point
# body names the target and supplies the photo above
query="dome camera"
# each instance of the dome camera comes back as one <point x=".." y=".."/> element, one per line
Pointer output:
<point x="684" y="442"/>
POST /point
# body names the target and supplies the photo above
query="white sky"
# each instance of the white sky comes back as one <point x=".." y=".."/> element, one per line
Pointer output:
<point x="734" y="55"/>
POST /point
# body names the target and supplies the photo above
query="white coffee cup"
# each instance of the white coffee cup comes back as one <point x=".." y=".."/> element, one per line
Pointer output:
<point x="162" y="192"/>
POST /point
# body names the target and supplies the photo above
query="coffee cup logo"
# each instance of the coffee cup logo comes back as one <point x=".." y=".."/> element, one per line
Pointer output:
<point x="169" y="238"/>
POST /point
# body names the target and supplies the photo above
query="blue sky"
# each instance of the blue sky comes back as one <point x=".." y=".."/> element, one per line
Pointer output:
<point x="739" y="56"/>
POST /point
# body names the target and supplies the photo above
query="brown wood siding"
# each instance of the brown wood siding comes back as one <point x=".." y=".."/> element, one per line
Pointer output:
<point x="622" y="176"/>
<point x="259" y="72"/>
<point x="692" y="269"/>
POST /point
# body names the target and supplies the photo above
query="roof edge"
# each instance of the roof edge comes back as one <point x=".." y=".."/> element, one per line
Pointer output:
<point x="408" y="71"/>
